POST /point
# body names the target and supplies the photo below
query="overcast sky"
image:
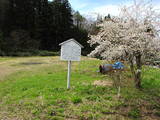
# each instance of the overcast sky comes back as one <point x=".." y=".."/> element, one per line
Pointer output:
<point x="102" y="7"/>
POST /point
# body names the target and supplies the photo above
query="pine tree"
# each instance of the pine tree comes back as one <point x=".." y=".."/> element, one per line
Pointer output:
<point x="62" y="21"/>
<point x="78" y="19"/>
<point x="43" y="24"/>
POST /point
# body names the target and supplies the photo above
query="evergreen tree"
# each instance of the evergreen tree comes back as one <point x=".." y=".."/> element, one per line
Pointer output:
<point x="62" y="21"/>
<point x="43" y="24"/>
<point x="78" y="19"/>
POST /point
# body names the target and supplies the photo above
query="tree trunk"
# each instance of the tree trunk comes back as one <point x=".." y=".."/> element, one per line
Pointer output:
<point x="132" y="65"/>
<point x="138" y="71"/>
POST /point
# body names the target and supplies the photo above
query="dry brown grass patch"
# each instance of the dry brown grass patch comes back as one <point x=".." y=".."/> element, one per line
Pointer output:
<point x="103" y="83"/>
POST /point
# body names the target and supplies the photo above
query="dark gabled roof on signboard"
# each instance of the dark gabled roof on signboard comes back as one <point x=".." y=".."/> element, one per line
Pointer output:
<point x="70" y="41"/>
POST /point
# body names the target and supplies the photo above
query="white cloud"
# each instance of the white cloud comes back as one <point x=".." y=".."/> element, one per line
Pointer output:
<point x="102" y="10"/>
<point x="78" y="5"/>
<point x="81" y="6"/>
<point x="114" y="10"/>
<point x="107" y="9"/>
<point x="157" y="6"/>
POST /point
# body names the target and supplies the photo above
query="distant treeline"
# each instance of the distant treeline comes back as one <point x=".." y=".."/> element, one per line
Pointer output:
<point x="31" y="25"/>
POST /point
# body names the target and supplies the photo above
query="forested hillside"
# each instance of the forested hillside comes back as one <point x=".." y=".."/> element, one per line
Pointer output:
<point x="33" y="25"/>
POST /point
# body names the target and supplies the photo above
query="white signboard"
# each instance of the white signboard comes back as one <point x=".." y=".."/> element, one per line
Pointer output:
<point x="70" y="51"/>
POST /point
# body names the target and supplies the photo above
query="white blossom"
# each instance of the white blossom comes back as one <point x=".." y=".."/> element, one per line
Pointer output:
<point x="135" y="30"/>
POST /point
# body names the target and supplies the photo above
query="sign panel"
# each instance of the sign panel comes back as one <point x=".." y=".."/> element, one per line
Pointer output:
<point x="71" y="51"/>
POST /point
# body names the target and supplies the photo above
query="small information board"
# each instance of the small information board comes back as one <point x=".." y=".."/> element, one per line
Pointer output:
<point x="70" y="51"/>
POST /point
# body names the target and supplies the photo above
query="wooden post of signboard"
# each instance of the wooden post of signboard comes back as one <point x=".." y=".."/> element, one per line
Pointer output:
<point x="69" y="75"/>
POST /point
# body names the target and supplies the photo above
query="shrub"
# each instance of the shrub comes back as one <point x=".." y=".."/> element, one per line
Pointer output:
<point x="48" y="53"/>
<point x="19" y="54"/>
<point x="29" y="53"/>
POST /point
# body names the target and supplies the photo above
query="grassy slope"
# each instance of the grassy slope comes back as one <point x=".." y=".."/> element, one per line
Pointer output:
<point x="38" y="92"/>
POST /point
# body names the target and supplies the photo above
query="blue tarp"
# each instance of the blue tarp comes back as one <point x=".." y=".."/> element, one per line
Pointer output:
<point x="118" y="65"/>
<point x="109" y="67"/>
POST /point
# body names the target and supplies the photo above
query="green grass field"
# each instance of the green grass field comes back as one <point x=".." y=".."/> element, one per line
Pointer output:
<point x="34" y="88"/>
